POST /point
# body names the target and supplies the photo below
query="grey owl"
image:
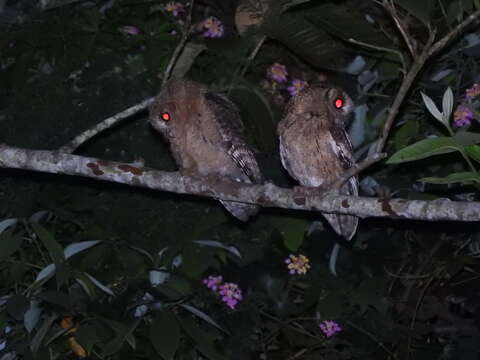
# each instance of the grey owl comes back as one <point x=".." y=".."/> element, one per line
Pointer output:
<point x="315" y="148"/>
<point x="204" y="130"/>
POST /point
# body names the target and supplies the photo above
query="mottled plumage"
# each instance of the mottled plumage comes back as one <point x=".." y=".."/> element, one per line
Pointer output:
<point x="315" y="148"/>
<point x="204" y="130"/>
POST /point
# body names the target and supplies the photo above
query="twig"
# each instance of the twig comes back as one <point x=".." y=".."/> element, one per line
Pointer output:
<point x="380" y="48"/>
<point x="371" y="336"/>
<point x="267" y="195"/>
<point x="180" y="46"/>
<point x="389" y="5"/>
<point x="407" y="82"/>
<point x="430" y="49"/>
<point x="111" y="121"/>
<point x="104" y="125"/>
<point x="357" y="168"/>
<point x="252" y="55"/>
<point x="176" y="54"/>
<point x="440" y="44"/>
<point x="417" y="307"/>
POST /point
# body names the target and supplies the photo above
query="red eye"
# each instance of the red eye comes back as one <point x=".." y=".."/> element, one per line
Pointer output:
<point x="339" y="103"/>
<point x="165" y="116"/>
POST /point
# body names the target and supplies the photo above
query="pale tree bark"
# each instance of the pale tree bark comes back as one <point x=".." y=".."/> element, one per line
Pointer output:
<point x="267" y="195"/>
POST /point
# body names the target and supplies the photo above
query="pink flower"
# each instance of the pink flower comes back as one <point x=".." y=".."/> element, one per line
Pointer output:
<point x="231" y="294"/>
<point x="329" y="328"/>
<point x="175" y="8"/>
<point x="472" y="92"/>
<point x="462" y="116"/>
<point x="214" y="28"/>
<point x="296" y="87"/>
<point x="212" y="282"/>
<point x="129" y="30"/>
<point x="277" y="72"/>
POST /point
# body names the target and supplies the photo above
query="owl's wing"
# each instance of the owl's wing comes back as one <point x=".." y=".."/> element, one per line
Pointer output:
<point x="345" y="155"/>
<point x="229" y="124"/>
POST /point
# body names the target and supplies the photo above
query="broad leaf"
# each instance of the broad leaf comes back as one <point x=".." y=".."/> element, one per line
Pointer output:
<point x="165" y="335"/>
<point x="465" y="138"/>
<point x="473" y="151"/>
<point x="432" y="108"/>
<point x="308" y="41"/>
<point x="202" y="340"/>
<point x="55" y="250"/>
<point x="462" y="177"/>
<point x="9" y="244"/>
<point x="424" y="149"/>
<point x="123" y="333"/>
<point x="292" y="230"/>
<point x="202" y="315"/>
<point x="421" y="9"/>
<point x="5" y="224"/>
<point x="447" y="106"/>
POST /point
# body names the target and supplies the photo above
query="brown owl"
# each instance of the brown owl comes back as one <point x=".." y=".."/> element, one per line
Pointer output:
<point x="315" y="148"/>
<point x="204" y="130"/>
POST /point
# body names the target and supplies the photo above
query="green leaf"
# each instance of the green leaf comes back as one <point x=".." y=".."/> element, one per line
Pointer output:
<point x="465" y="138"/>
<point x="447" y="106"/>
<point x="42" y="331"/>
<point x="203" y="341"/>
<point x="405" y="134"/>
<point x="123" y="333"/>
<point x="55" y="250"/>
<point x="431" y="107"/>
<point x="165" y="335"/>
<point x="473" y="151"/>
<point x="9" y="244"/>
<point x="424" y="149"/>
<point x="98" y="284"/>
<point x="257" y="115"/>
<point x="87" y="336"/>
<point x="202" y="316"/>
<point x="421" y="9"/>
<point x="346" y="23"/>
<point x="292" y="230"/>
<point x="462" y="177"/>
<point x="306" y="40"/>
<point x="186" y="59"/>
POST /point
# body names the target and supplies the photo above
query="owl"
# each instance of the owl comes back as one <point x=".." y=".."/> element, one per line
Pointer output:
<point x="315" y="148"/>
<point x="204" y="130"/>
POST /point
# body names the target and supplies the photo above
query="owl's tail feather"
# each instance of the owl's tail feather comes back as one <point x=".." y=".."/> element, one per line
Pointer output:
<point x="241" y="211"/>
<point x="345" y="226"/>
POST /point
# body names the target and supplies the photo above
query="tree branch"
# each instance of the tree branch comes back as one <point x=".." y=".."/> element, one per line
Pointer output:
<point x="267" y="195"/>
<point x="104" y="125"/>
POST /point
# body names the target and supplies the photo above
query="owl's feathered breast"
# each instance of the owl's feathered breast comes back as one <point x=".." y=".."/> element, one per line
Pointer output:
<point x="313" y="152"/>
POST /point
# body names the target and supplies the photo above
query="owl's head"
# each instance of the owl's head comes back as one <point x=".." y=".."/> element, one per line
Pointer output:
<point x="324" y="103"/>
<point x="173" y="106"/>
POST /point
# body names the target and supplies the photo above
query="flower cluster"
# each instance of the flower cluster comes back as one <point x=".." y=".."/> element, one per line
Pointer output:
<point x="296" y="87"/>
<point x="473" y="92"/>
<point x="279" y="74"/>
<point x="212" y="282"/>
<point x="329" y="328"/>
<point x="175" y="8"/>
<point x="297" y="264"/>
<point x="129" y="30"/>
<point x="464" y="114"/>
<point x="229" y="293"/>
<point x="214" y="28"/>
